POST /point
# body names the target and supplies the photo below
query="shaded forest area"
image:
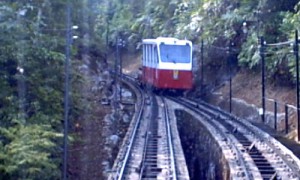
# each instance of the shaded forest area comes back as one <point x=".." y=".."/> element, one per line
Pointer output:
<point x="32" y="59"/>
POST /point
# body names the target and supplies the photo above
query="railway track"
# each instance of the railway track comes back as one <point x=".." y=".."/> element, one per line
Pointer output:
<point x="148" y="151"/>
<point x="257" y="155"/>
<point x="158" y="159"/>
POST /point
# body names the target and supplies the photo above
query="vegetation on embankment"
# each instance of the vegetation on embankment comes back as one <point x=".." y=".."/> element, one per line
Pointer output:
<point x="32" y="56"/>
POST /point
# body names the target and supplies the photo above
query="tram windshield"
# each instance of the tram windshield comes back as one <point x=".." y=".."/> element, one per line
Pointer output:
<point x="175" y="53"/>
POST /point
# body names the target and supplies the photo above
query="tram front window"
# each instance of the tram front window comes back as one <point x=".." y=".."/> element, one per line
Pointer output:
<point x="175" y="53"/>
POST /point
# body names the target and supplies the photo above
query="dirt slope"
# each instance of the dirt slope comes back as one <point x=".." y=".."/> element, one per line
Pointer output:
<point x="246" y="85"/>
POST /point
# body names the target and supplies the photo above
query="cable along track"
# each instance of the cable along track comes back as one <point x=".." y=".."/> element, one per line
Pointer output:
<point x="259" y="156"/>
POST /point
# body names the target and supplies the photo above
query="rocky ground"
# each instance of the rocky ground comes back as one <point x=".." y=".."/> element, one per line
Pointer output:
<point x="86" y="153"/>
<point x="98" y="132"/>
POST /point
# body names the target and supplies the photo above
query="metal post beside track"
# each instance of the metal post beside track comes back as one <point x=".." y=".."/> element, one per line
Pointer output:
<point x="262" y="76"/>
<point x="202" y="68"/>
<point x="296" y="51"/>
<point x="286" y="118"/>
<point x="230" y="76"/>
<point x="66" y="95"/>
<point x="275" y="114"/>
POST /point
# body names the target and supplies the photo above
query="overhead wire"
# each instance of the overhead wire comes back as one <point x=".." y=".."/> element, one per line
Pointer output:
<point x="224" y="49"/>
<point x="219" y="48"/>
<point x="281" y="43"/>
<point x="270" y="52"/>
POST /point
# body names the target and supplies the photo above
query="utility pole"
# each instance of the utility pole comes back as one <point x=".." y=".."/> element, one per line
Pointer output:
<point x="229" y="52"/>
<point x="120" y="44"/>
<point x="106" y="41"/>
<point x="66" y="97"/>
<point x="230" y="77"/>
<point x="119" y="66"/>
<point x="202" y="68"/>
<point x="109" y="14"/>
<point x="296" y="51"/>
<point x="262" y="75"/>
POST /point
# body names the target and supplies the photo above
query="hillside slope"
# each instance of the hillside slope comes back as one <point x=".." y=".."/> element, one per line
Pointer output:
<point x="247" y="85"/>
<point x="247" y="100"/>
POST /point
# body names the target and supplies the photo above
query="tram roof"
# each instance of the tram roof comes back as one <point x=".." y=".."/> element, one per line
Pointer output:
<point x="167" y="40"/>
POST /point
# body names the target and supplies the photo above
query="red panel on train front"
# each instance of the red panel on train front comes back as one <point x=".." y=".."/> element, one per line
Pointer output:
<point x="168" y="79"/>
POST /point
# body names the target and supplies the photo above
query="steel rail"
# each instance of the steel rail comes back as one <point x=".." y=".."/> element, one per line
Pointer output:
<point x="170" y="142"/>
<point x="208" y="115"/>
<point x="281" y="151"/>
<point x="256" y="155"/>
<point x="144" y="156"/>
<point x="144" y="152"/>
<point x="120" y="173"/>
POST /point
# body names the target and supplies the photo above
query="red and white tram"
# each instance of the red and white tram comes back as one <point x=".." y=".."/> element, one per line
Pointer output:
<point x="167" y="63"/>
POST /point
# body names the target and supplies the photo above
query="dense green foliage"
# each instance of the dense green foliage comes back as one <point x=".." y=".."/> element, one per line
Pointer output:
<point x="32" y="55"/>
<point x="217" y="22"/>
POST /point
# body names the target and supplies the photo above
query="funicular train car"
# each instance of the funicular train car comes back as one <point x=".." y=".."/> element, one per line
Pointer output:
<point x="167" y="63"/>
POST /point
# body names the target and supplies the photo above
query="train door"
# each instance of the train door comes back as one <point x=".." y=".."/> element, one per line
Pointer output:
<point x="152" y="65"/>
<point x="144" y="64"/>
<point x="150" y="75"/>
<point x="148" y="66"/>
